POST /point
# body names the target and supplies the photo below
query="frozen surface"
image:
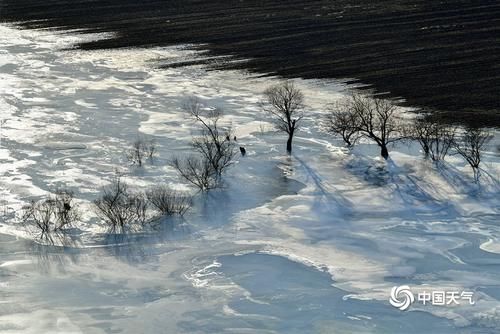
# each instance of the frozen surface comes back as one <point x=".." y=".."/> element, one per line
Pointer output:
<point x="311" y="243"/>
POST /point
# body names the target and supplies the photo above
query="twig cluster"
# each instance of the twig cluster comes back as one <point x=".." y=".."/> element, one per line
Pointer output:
<point x="141" y="150"/>
<point x="121" y="209"/>
<point x="50" y="216"/>
<point x="213" y="146"/>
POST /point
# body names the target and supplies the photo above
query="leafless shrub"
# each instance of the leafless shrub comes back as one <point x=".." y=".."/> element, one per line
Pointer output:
<point x="214" y="147"/>
<point x="52" y="215"/>
<point x="151" y="149"/>
<point x="141" y="150"/>
<point x="470" y="145"/>
<point x="436" y="139"/>
<point x="169" y="202"/>
<point x="262" y="128"/>
<point x="66" y="209"/>
<point x="119" y="207"/>
<point x="140" y="206"/>
<point x="285" y="103"/>
<point x="41" y="216"/>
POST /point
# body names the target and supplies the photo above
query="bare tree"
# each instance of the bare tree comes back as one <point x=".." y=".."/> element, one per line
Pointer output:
<point x="198" y="171"/>
<point x="374" y="118"/>
<point x="435" y="138"/>
<point x="340" y="120"/>
<point x="119" y="207"/>
<point x="285" y="103"/>
<point x="208" y="117"/>
<point x="220" y="155"/>
<point x="168" y="201"/>
<point x="141" y="149"/>
<point x="214" y="146"/>
<point x="470" y="146"/>
<point x="214" y="143"/>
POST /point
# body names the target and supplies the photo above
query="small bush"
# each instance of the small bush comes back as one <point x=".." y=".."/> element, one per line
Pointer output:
<point x="52" y="215"/>
<point x="140" y="205"/>
<point x="41" y="216"/>
<point x="119" y="207"/>
<point x="141" y="150"/>
<point x="66" y="209"/>
<point x="167" y="201"/>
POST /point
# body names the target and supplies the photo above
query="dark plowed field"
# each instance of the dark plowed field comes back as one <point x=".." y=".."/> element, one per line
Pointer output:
<point x="442" y="55"/>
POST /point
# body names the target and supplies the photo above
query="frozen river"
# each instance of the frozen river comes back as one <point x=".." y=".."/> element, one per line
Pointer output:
<point x="311" y="243"/>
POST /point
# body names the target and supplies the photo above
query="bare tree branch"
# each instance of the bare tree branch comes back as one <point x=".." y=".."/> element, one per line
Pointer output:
<point x="214" y="146"/>
<point x="470" y="146"/>
<point x="285" y="103"/>
<point x="435" y="138"/>
<point x="369" y="117"/>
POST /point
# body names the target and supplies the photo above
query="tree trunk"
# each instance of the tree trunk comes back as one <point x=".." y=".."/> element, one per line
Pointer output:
<point x="384" y="152"/>
<point x="290" y="138"/>
<point x="289" y="144"/>
<point x="477" y="173"/>
<point x="426" y="152"/>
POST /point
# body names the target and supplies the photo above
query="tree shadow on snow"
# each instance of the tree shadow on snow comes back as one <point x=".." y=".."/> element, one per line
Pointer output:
<point x="329" y="200"/>
<point x="418" y="194"/>
<point x="486" y="186"/>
